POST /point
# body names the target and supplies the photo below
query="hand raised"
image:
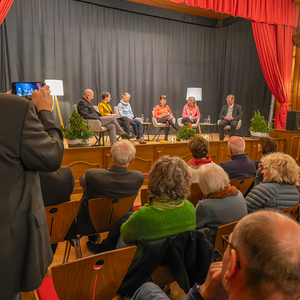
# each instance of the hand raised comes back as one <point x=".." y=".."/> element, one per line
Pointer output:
<point x="42" y="98"/>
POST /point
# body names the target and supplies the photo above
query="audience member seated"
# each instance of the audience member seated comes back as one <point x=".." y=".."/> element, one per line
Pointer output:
<point x="87" y="111"/>
<point x="163" y="114"/>
<point x="125" y="110"/>
<point x="240" y="166"/>
<point x="190" y="113"/>
<point x="277" y="190"/>
<point x="199" y="147"/>
<point x="265" y="146"/>
<point x="117" y="181"/>
<point x="106" y="111"/>
<point x="230" y="114"/>
<point x="224" y="203"/>
<point x="57" y="188"/>
<point x="166" y="213"/>
<point x="262" y="261"/>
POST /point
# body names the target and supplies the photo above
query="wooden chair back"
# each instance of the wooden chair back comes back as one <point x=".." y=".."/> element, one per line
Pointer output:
<point x="196" y="194"/>
<point x="59" y="219"/>
<point x="293" y="212"/>
<point x="162" y="276"/>
<point x="105" y="212"/>
<point x="223" y="230"/>
<point x="242" y="184"/>
<point x="144" y="196"/>
<point x="94" y="277"/>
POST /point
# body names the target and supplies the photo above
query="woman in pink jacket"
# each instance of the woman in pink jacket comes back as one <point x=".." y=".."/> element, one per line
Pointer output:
<point x="163" y="114"/>
<point x="190" y="112"/>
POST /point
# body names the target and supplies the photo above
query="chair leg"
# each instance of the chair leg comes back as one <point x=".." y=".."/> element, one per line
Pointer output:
<point x="67" y="252"/>
<point x="158" y="134"/>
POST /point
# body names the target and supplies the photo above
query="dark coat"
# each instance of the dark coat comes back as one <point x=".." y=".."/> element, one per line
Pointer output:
<point x="57" y="186"/>
<point x="101" y="183"/>
<point x="87" y="110"/>
<point x="28" y="143"/>
<point x="236" y="112"/>
<point x="240" y="167"/>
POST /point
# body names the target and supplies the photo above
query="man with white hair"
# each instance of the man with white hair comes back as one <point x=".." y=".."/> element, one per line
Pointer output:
<point x="240" y="166"/>
<point x="117" y="181"/>
<point x="261" y="261"/>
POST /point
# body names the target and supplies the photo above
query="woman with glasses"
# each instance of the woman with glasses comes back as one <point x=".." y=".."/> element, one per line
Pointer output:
<point x="224" y="203"/>
<point x="190" y="113"/>
<point x="277" y="190"/>
<point x="266" y="145"/>
<point x="163" y="114"/>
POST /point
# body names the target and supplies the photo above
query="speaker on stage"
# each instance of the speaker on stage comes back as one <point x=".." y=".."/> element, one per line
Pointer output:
<point x="293" y="120"/>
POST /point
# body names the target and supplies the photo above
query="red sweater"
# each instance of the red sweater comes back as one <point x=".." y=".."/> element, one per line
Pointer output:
<point x="159" y="111"/>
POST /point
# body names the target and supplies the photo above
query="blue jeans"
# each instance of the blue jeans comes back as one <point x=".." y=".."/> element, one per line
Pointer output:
<point x="149" y="291"/>
<point x="137" y="127"/>
<point x="15" y="297"/>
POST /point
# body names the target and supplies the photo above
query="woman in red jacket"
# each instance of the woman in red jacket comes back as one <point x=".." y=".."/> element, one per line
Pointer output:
<point x="163" y="114"/>
<point x="190" y="113"/>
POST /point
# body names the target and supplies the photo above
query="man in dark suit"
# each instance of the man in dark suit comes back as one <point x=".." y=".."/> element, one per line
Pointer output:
<point x="240" y="166"/>
<point x="117" y="181"/>
<point x="31" y="143"/>
<point x="230" y="114"/>
<point x="87" y="111"/>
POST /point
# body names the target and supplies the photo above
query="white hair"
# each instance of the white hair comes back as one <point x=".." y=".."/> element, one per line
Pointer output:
<point x="234" y="149"/>
<point x="212" y="178"/>
<point x="122" y="152"/>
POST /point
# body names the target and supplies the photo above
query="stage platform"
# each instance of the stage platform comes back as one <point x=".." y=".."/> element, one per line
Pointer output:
<point x="82" y="159"/>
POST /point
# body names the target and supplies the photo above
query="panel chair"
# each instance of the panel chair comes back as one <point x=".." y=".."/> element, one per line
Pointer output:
<point x="105" y="212"/>
<point x="196" y="194"/>
<point x="293" y="212"/>
<point x="223" y="230"/>
<point x="242" y="185"/>
<point x="227" y="127"/>
<point x="59" y="220"/>
<point x="95" y="277"/>
<point x="161" y="126"/>
<point x="95" y="126"/>
<point x="194" y="125"/>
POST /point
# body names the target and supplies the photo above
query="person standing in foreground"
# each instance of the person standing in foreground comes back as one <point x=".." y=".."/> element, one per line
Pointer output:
<point x="31" y="143"/>
<point x="262" y="261"/>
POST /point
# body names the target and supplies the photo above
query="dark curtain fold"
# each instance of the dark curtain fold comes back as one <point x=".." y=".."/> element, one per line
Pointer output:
<point x="280" y="12"/>
<point x="104" y="49"/>
<point x="275" y="49"/>
<point x="4" y="8"/>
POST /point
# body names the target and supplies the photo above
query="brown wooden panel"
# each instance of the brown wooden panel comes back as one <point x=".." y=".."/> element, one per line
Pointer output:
<point x="183" y="8"/>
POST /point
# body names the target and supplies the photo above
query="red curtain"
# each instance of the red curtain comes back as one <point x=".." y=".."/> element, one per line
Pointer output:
<point x="275" y="50"/>
<point x="4" y="8"/>
<point x="279" y="12"/>
<point x="273" y="23"/>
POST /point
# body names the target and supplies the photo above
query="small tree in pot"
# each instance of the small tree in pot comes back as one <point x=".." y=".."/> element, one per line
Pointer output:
<point x="259" y="126"/>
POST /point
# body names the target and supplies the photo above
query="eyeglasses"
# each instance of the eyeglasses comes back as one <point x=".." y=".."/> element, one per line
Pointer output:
<point x="225" y="243"/>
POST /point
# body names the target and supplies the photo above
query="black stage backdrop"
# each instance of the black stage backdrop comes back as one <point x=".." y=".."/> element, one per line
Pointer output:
<point x="105" y="49"/>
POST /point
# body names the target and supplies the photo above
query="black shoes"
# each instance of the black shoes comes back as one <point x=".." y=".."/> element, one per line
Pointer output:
<point x="97" y="248"/>
<point x="125" y="136"/>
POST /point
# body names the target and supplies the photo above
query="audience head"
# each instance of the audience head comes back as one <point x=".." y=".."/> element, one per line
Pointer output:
<point x="236" y="145"/>
<point x="212" y="178"/>
<point x="105" y="95"/>
<point x="281" y="168"/>
<point x="199" y="146"/>
<point x="263" y="257"/>
<point x="126" y="97"/>
<point x="267" y="145"/>
<point x="88" y="95"/>
<point x="122" y="153"/>
<point x="191" y="101"/>
<point x="230" y="99"/>
<point x="169" y="177"/>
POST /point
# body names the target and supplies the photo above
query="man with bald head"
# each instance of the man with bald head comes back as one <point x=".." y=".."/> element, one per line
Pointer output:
<point x="240" y="166"/>
<point x="261" y="261"/>
<point x="87" y="111"/>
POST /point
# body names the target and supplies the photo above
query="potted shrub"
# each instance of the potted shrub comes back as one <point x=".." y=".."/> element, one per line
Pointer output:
<point x="259" y="126"/>
<point x="79" y="133"/>
<point x="184" y="133"/>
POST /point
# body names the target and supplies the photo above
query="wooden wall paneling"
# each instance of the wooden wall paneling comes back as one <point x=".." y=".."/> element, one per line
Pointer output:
<point x="295" y="148"/>
<point x="281" y="145"/>
<point x="223" y="154"/>
<point x="296" y="80"/>
<point x="214" y="151"/>
<point x="179" y="149"/>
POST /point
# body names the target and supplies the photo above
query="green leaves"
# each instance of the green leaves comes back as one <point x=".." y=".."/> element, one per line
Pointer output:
<point x="259" y="124"/>
<point x="184" y="133"/>
<point x="79" y="128"/>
